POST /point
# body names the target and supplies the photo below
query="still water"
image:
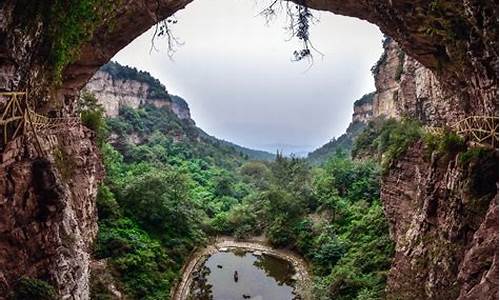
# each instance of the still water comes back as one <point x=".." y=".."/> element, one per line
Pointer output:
<point x="261" y="277"/>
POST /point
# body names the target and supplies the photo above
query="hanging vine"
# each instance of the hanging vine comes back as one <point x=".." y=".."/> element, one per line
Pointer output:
<point x="163" y="30"/>
<point x="299" y="19"/>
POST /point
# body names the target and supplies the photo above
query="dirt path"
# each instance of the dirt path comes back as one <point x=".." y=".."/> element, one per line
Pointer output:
<point x="182" y="289"/>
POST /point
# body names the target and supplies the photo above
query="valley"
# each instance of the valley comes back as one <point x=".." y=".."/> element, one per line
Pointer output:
<point x="176" y="189"/>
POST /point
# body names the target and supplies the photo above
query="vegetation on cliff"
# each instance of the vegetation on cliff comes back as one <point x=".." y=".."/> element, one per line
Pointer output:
<point x="118" y="72"/>
<point x="67" y="26"/>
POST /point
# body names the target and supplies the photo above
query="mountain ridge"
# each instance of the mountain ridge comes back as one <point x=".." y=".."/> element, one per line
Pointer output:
<point x="116" y="86"/>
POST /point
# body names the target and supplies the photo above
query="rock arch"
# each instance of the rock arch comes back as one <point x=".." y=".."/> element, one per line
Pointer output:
<point x="456" y="39"/>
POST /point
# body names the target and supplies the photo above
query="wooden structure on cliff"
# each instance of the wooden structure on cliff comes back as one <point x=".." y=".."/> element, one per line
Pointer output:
<point x="482" y="130"/>
<point x="17" y="118"/>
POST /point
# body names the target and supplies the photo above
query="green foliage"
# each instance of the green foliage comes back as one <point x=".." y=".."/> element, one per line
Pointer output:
<point x="31" y="288"/>
<point x="362" y="270"/>
<point x="107" y="207"/>
<point x="93" y="116"/>
<point x="387" y="139"/>
<point x="68" y="25"/>
<point x="445" y="144"/>
<point x="160" y="202"/>
<point x="329" y="251"/>
<point x="350" y="251"/>
<point x="142" y="263"/>
<point x="167" y="138"/>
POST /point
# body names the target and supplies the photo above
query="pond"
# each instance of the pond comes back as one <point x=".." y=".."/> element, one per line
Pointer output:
<point x="239" y="274"/>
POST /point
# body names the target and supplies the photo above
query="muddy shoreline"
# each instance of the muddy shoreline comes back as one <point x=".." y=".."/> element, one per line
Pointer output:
<point x="302" y="286"/>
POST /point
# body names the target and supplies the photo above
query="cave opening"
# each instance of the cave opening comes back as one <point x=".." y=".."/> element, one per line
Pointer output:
<point x="169" y="184"/>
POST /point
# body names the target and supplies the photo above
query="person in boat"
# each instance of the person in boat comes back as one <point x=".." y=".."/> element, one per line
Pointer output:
<point x="235" y="276"/>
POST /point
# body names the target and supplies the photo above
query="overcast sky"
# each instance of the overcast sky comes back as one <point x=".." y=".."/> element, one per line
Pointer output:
<point x="237" y="75"/>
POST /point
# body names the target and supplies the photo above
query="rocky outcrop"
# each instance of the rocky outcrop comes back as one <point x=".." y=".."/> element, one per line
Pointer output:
<point x="47" y="204"/>
<point x="113" y="94"/>
<point x="116" y="86"/>
<point x="363" y="109"/>
<point x="405" y="88"/>
<point x="180" y="108"/>
<point x="444" y="220"/>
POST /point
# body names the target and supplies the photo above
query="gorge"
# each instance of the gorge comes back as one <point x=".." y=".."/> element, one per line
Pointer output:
<point x="438" y="193"/>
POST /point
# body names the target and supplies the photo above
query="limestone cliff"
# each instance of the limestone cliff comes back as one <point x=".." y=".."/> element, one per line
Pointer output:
<point x="116" y="86"/>
<point x="363" y="109"/>
<point x="405" y="88"/>
<point x="445" y="229"/>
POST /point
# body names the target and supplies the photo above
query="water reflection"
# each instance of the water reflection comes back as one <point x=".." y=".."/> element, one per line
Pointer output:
<point x="259" y="278"/>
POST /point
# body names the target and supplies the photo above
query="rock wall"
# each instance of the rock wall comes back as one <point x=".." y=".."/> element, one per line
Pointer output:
<point x="115" y="93"/>
<point x="405" y="88"/>
<point x="363" y="109"/>
<point x="446" y="235"/>
<point x="48" y="218"/>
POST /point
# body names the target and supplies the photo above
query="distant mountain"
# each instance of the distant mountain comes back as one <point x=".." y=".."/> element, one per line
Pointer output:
<point x="342" y="143"/>
<point x="288" y="149"/>
<point x="363" y="112"/>
<point x="252" y="153"/>
<point x="134" y="98"/>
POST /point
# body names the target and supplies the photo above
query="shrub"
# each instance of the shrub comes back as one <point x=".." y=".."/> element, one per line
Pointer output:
<point x="107" y="207"/>
<point x="31" y="288"/>
<point x="387" y="139"/>
<point x="140" y="262"/>
<point x="446" y="143"/>
<point x="93" y="116"/>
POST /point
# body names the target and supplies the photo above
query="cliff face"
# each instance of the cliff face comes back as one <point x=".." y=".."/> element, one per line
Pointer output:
<point x="363" y="109"/>
<point x="446" y="235"/>
<point x="445" y="229"/>
<point x="48" y="219"/>
<point x="114" y="94"/>
<point x="405" y="88"/>
<point x="116" y="86"/>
